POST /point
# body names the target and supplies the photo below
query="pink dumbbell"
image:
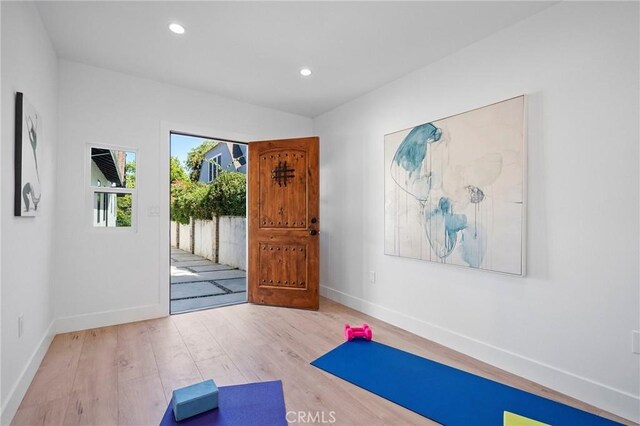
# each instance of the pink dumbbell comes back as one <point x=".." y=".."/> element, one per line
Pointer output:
<point x="363" y="332"/>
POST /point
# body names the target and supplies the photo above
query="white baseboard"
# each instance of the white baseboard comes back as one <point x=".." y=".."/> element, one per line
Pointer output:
<point x="602" y="396"/>
<point x="18" y="391"/>
<point x="107" y="318"/>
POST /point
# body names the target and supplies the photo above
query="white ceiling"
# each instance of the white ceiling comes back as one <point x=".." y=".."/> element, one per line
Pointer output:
<point x="253" y="51"/>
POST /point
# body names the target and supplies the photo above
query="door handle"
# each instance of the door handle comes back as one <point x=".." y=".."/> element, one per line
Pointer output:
<point x="314" y="220"/>
<point x="313" y="232"/>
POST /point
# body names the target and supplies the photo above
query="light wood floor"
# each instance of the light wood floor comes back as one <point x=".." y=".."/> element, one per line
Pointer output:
<point x="125" y="374"/>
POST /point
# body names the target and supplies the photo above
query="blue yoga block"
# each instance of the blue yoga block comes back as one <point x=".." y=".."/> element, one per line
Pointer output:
<point x="194" y="399"/>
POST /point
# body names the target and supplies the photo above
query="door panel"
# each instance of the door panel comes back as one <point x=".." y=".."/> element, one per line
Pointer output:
<point x="283" y="189"/>
<point x="283" y="223"/>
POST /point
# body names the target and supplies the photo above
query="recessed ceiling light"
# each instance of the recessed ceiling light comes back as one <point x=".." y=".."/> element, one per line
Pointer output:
<point x="176" y="28"/>
<point x="306" y="72"/>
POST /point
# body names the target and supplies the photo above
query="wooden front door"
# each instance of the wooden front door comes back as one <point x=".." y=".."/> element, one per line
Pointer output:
<point x="284" y="223"/>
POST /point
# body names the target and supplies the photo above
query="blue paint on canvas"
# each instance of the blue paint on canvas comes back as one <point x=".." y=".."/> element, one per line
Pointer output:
<point x="413" y="149"/>
<point x="473" y="243"/>
<point x="442" y="227"/>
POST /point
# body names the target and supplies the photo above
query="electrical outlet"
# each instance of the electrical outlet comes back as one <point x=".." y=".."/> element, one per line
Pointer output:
<point x="372" y="277"/>
<point x="20" y="325"/>
<point x="635" y="342"/>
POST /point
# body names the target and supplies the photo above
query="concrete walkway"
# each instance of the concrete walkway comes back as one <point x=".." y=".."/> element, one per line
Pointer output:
<point x="198" y="283"/>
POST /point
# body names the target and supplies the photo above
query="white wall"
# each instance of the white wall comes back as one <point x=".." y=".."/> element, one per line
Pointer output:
<point x="106" y="107"/>
<point x="233" y="241"/>
<point x="174" y="234"/>
<point x="29" y="65"/>
<point x="568" y="323"/>
<point x="204" y="238"/>
<point x="232" y="235"/>
<point x="185" y="237"/>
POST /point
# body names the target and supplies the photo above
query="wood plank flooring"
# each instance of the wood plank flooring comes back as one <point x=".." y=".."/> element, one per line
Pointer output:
<point x="125" y="374"/>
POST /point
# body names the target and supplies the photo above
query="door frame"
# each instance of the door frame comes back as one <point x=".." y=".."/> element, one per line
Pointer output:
<point x="164" y="198"/>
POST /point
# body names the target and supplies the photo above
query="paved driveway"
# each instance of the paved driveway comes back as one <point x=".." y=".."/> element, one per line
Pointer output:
<point x="198" y="283"/>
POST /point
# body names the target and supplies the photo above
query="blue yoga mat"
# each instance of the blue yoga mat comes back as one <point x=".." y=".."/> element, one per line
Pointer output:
<point x="240" y="405"/>
<point x="444" y="394"/>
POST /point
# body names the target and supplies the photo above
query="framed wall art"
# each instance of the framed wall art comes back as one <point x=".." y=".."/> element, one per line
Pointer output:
<point x="455" y="189"/>
<point x="28" y="186"/>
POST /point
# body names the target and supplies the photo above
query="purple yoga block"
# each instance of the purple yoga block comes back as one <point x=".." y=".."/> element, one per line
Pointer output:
<point x="195" y="399"/>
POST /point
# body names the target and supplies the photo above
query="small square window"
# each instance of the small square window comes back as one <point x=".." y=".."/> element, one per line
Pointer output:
<point x="113" y="187"/>
<point x="112" y="209"/>
<point x="111" y="168"/>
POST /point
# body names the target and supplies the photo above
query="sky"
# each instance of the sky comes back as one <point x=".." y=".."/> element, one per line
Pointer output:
<point x="181" y="145"/>
<point x="129" y="156"/>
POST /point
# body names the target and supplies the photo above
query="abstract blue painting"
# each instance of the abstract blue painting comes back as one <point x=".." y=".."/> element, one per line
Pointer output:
<point x="455" y="189"/>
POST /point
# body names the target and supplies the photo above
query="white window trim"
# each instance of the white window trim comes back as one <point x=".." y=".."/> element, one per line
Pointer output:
<point x="91" y="190"/>
<point x="216" y="165"/>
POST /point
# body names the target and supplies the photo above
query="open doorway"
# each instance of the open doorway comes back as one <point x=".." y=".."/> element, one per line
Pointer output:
<point x="208" y="222"/>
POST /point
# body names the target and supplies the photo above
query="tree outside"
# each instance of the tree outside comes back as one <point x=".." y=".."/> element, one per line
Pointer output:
<point x="177" y="172"/>
<point x="224" y="196"/>
<point x="195" y="158"/>
<point x="124" y="213"/>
